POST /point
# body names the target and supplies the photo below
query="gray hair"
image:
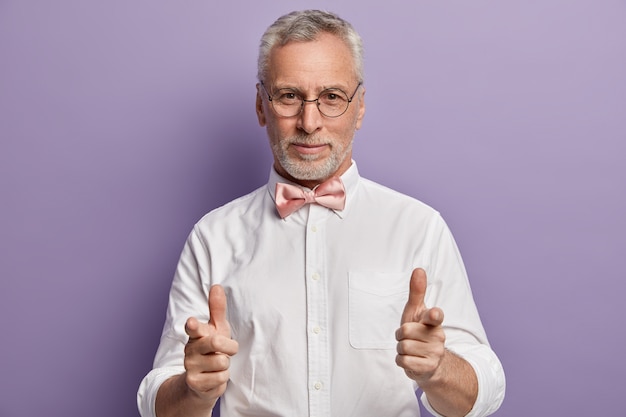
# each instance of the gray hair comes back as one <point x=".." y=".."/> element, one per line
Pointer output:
<point x="306" y="25"/>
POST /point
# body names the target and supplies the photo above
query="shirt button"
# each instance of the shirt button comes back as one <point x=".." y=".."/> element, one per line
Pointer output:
<point x="317" y="329"/>
<point x="318" y="386"/>
<point x="314" y="229"/>
<point x="315" y="276"/>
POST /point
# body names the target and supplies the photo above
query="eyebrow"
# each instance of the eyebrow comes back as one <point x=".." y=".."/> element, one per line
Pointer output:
<point x="300" y="92"/>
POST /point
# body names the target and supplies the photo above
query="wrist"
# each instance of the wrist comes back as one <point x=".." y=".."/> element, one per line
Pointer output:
<point x="201" y="399"/>
<point x="438" y="375"/>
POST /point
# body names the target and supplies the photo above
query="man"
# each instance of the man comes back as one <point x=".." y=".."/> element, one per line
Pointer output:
<point x="319" y="290"/>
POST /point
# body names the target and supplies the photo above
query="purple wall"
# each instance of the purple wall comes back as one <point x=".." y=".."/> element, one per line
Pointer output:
<point x="121" y="123"/>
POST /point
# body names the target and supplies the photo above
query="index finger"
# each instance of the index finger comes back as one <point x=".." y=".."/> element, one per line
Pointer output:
<point x="207" y="341"/>
<point x="194" y="328"/>
<point x="432" y="317"/>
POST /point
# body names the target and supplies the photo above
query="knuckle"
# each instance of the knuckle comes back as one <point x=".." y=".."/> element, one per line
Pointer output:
<point x="189" y="363"/>
<point x="222" y="377"/>
<point x="193" y="381"/>
<point x="223" y="362"/>
<point x="400" y="361"/>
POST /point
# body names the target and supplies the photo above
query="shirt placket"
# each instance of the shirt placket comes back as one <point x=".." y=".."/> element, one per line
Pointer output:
<point x="317" y="313"/>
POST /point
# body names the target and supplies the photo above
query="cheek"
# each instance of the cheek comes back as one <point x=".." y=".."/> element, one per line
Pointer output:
<point x="274" y="133"/>
<point x="346" y="132"/>
<point x="281" y="128"/>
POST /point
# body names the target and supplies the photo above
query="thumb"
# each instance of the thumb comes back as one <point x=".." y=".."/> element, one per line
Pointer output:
<point x="217" y="309"/>
<point x="417" y="290"/>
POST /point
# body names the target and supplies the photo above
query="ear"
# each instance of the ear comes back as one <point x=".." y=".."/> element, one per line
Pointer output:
<point x="361" y="111"/>
<point x="260" y="111"/>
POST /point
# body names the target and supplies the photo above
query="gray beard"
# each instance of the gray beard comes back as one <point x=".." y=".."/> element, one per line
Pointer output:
<point x="304" y="168"/>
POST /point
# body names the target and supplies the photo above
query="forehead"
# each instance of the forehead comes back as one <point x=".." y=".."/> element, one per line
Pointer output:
<point x="325" y="61"/>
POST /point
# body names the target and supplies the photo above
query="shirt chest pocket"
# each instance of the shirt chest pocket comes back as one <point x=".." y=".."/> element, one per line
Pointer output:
<point x="376" y="302"/>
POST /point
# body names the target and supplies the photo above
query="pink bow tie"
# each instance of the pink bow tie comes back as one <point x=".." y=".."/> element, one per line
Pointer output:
<point x="290" y="198"/>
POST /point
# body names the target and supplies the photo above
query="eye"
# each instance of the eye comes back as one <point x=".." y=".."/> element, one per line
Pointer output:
<point x="287" y="97"/>
<point x="333" y="97"/>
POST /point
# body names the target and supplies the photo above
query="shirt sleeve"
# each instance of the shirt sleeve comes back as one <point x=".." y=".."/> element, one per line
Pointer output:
<point x="188" y="298"/>
<point x="449" y="289"/>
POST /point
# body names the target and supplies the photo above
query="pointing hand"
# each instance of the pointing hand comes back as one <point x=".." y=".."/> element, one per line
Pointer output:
<point x="208" y="351"/>
<point x="420" y="336"/>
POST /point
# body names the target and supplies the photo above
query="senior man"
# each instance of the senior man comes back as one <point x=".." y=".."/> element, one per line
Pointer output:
<point x="320" y="293"/>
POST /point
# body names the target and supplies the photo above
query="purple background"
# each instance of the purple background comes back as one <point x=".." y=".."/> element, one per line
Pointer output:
<point x="122" y="122"/>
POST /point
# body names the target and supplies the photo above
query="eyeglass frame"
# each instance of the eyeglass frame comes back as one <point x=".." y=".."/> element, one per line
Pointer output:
<point x="303" y="101"/>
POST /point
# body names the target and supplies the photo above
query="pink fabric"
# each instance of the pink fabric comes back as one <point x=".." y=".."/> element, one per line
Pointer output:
<point x="289" y="198"/>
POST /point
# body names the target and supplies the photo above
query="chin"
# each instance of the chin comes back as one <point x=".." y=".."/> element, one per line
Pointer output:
<point x="311" y="172"/>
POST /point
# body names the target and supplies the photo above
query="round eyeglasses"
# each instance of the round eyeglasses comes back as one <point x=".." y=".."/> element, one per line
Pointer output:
<point x="288" y="102"/>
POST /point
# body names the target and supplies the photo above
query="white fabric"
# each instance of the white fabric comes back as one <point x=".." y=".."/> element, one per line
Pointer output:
<point x="314" y="301"/>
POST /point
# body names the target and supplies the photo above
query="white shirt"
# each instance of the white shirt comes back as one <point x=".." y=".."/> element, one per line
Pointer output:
<point x="314" y="301"/>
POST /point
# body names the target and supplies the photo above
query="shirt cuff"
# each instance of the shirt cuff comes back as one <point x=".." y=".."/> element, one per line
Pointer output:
<point x="146" y="395"/>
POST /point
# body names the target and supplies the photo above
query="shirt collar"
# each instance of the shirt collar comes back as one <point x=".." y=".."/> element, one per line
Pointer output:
<point x="350" y="180"/>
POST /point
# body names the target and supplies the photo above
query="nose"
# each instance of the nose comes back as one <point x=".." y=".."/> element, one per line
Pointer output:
<point x="310" y="119"/>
